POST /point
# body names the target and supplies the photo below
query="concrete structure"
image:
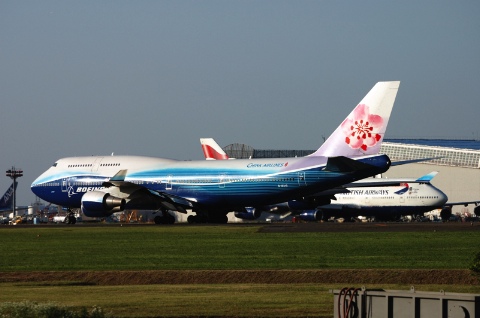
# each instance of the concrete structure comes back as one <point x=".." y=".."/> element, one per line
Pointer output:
<point x="360" y="302"/>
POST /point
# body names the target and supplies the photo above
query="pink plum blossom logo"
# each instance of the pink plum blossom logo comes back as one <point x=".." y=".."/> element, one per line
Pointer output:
<point x="361" y="129"/>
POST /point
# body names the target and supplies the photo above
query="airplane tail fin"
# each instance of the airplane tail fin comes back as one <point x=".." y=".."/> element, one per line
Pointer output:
<point x="7" y="199"/>
<point x="212" y="150"/>
<point x="428" y="177"/>
<point x="362" y="132"/>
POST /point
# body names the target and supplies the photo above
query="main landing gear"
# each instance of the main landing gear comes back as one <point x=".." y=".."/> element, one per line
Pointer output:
<point x="165" y="218"/>
<point x="70" y="218"/>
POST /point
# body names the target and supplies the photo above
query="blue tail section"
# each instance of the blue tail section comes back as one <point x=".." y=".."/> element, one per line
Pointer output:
<point x="7" y="200"/>
<point x="428" y="177"/>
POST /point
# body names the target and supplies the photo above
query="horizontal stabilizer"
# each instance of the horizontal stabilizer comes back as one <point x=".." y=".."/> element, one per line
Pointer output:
<point x="404" y="162"/>
<point x="344" y="164"/>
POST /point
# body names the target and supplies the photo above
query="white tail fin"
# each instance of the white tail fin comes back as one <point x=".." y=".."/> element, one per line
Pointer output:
<point x="362" y="132"/>
<point x="212" y="150"/>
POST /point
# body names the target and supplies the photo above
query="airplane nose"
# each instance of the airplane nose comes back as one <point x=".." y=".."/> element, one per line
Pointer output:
<point x="443" y="197"/>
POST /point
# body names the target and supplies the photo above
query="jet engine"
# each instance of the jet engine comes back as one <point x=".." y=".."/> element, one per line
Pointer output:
<point x="101" y="204"/>
<point x="312" y="215"/>
<point x="248" y="214"/>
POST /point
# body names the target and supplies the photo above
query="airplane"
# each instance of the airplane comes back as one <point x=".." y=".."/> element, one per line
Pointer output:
<point x="6" y="204"/>
<point x="7" y="199"/>
<point x="212" y="150"/>
<point x="387" y="201"/>
<point x="103" y="185"/>
<point x="379" y="198"/>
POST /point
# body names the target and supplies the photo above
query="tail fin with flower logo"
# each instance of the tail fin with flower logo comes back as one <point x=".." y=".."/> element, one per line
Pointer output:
<point x="362" y="132"/>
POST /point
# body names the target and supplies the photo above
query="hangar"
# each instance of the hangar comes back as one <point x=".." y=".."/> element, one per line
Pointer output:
<point x="458" y="167"/>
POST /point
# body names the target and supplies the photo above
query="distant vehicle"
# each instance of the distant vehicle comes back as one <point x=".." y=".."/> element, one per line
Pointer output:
<point x="102" y="186"/>
<point x="69" y="218"/>
<point x="4" y="219"/>
<point x="17" y="220"/>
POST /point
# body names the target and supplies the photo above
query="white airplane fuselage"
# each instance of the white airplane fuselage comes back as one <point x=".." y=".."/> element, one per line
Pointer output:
<point x="209" y="185"/>
<point x="385" y="202"/>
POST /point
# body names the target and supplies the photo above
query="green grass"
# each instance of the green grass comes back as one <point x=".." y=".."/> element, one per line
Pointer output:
<point x="232" y="300"/>
<point x="227" y="247"/>
<point x="140" y="248"/>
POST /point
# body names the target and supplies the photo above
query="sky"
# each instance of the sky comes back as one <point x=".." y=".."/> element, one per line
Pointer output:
<point x="152" y="77"/>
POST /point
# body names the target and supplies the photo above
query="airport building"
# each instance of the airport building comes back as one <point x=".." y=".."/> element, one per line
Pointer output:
<point x="457" y="163"/>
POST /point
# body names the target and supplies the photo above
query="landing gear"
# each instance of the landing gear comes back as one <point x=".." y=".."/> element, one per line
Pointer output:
<point x="70" y="218"/>
<point x="166" y="218"/>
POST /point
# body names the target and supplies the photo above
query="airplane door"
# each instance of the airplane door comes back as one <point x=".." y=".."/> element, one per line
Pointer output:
<point x="168" y="185"/>
<point x="96" y="164"/>
<point x="301" y="178"/>
<point x="222" y="180"/>
<point x="64" y="185"/>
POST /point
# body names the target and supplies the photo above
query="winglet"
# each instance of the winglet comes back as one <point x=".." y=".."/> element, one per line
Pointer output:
<point x="119" y="176"/>
<point x="362" y="132"/>
<point x="428" y="177"/>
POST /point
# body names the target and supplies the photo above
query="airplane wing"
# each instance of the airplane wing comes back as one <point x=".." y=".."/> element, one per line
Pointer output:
<point x="135" y="192"/>
<point x="465" y="203"/>
<point x="370" y="182"/>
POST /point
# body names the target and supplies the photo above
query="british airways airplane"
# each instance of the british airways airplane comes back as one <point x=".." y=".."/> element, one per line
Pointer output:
<point x="103" y="185"/>
<point x="382" y="199"/>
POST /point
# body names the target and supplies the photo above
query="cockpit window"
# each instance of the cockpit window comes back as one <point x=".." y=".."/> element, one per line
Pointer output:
<point x="54" y="165"/>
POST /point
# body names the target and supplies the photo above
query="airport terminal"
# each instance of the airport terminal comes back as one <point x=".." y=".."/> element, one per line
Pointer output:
<point x="457" y="163"/>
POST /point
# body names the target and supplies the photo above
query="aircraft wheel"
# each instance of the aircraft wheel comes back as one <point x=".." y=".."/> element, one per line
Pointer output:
<point x="157" y="219"/>
<point x="191" y="219"/>
<point x="168" y="218"/>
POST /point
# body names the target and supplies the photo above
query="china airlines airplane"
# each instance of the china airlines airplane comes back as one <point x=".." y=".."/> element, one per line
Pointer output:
<point x="379" y="198"/>
<point x="103" y="185"/>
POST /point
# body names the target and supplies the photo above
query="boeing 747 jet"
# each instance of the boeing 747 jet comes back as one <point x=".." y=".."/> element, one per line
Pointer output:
<point x="103" y="185"/>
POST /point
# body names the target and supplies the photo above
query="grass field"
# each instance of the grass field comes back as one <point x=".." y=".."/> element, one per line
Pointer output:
<point x="141" y="248"/>
<point x="228" y="247"/>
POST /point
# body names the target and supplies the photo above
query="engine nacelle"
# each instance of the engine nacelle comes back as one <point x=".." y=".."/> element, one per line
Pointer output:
<point x="248" y="214"/>
<point x="101" y="204"/>
<point x="312" y="215"/>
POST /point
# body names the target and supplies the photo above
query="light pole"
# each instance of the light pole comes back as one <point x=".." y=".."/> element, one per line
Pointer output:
<point x="14" y="174"/>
